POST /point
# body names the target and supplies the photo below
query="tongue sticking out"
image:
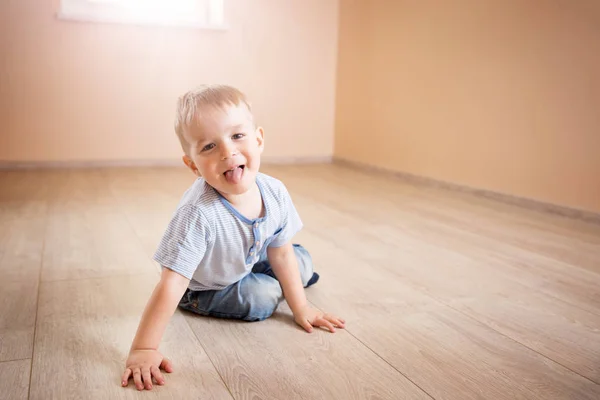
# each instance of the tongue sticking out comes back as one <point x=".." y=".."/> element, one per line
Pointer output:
<point x="234" y="176"/>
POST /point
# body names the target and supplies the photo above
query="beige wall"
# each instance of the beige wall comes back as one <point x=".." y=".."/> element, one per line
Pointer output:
<point x="80" y="91"/>
<point x="500" y="95"/>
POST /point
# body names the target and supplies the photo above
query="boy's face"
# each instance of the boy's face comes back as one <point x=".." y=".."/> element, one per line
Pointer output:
<point x="225" y="148"/>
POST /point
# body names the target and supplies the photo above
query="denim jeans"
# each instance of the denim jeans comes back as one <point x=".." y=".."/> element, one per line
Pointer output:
<point x="254" y="298"/>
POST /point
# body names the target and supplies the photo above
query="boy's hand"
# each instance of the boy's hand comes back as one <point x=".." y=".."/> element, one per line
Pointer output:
<point x="142" y="365"/>
<point x="308" y="317"/>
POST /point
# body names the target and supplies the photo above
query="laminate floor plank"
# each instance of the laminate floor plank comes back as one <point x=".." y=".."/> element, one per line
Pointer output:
<point x="84" y="330"/>
<point x="448" y="354"/>
<point x="14" y="379"/>
<point x="275" y="359"/>
<point x="88" y="236"/>
<point x="447" y="295"/>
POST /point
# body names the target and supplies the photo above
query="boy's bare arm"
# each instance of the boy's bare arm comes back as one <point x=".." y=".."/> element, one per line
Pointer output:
<point x="144" y="360"/>
<point x="285" y="266"/>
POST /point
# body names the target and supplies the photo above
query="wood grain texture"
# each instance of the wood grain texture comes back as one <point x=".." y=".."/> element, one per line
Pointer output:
<point x="447" y="295"/>
<point x="275" y="359"/>
<point x="132" y="191"/>
<point x="567" y="335"/>
<point x="14" y="379"/>
<point x="392" y="213"/>
<point x="84" y="331"/>
<point x="446" y="353"/>
<point x="87" y="235"/>
<point x="22" y="234"/>
<point x="394" y="228"/>
<point x="18" y="301"/>
<point x="22" y="229"/>
<point x="481" y="269"/>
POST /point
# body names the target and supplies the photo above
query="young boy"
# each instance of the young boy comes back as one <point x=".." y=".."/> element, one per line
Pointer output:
<point x="227" y="251"/>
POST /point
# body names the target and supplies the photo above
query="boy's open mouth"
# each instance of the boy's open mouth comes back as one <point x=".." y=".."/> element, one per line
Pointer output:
<point x="234" y="175"/>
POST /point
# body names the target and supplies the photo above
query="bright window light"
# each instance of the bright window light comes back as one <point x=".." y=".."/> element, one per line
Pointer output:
<point x="195" y="13"/>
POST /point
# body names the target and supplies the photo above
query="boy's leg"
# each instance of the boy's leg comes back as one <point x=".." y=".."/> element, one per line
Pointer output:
<point x="253" y="298"/>
<point x="305" y="265"/>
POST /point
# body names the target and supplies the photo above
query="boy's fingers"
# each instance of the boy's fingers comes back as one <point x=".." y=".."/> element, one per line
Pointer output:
<point x="125" y="377"/>
<point x="147" y="378"/>
<point x="337" y="322"/>
<point x="167" y="365"/>
<point x="157" y="375"/>
<point x="327" y="324"/>
<point x="306" y="325"/>
<point x="137" y="379"/>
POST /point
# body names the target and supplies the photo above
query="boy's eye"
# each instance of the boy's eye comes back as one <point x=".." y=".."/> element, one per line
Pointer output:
<point x="238" y="136"/>
<point x="208" y="147"/>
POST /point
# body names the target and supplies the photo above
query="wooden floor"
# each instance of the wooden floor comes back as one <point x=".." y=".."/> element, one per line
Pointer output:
<point x="446" y="295"/>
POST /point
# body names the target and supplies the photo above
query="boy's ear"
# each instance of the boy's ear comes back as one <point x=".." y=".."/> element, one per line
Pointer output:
<point x="190" y="164"/>
<point x="260" y="137"/>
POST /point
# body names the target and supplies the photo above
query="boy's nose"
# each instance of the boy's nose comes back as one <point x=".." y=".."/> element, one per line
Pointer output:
<point x="227" y="151"/>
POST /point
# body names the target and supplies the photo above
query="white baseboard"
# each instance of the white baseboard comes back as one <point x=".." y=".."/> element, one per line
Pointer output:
<point x="524" y="202"/>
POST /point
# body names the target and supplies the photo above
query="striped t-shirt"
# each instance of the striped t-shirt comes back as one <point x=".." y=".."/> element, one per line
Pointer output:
<point x="209" y="242"/>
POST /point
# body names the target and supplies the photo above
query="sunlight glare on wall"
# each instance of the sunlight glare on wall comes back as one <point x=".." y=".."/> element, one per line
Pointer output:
<point x="195" y="13"/>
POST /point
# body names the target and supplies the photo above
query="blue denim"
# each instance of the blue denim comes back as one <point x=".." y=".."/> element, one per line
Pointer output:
<point x="254" y="298"/>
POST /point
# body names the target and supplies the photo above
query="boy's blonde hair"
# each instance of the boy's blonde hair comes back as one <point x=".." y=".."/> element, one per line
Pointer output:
<point x="189" y="105"/>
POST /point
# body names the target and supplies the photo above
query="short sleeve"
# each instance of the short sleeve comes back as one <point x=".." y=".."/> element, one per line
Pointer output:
<point x="291" y="222"/>
<point x="185" y="241"/>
